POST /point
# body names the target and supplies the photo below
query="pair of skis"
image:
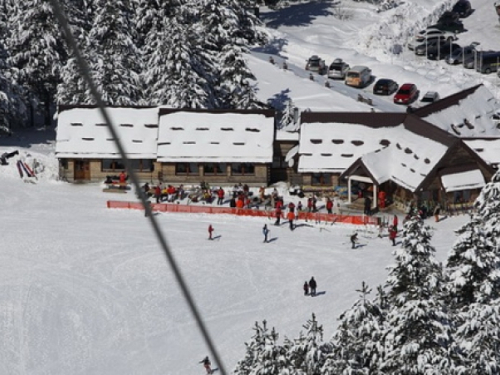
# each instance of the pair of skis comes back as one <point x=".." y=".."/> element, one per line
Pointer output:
<point x="24" y="168"/>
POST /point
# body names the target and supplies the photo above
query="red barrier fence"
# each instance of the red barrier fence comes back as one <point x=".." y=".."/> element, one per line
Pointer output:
<point x="198" y="209"/>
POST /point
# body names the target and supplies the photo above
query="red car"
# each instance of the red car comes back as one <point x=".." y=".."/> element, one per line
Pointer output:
<point x="406" y="94"/>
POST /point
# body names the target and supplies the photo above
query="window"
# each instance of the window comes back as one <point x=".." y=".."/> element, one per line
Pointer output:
<point x="139" y="165"/>
<point x="111" y="165"/>
<point x="321" y="179"/>
<point x="187" y="169"/>
<point x="142" y="165"/>
<point x="214" y="169"/>
<point x="242" y="169"/>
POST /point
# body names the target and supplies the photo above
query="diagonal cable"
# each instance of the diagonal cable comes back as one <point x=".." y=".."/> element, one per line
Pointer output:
<point x="85" y="71"/>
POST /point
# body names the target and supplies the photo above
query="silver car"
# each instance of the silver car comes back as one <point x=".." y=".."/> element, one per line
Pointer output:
<point x="338" y="69"/>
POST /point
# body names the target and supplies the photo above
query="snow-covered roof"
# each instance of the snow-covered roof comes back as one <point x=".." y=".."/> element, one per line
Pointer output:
<point x="469" y="116"/>
<point x="194" y="136"/>
<point x="486" y="149"/>
<point x="332" y="148"/>
<point x="406" y="160"/>
<point x="463" y="180"/>
<point x="83" y="132"/>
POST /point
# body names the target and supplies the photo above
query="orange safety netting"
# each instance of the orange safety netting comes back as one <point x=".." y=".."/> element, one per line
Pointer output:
<point x="306" y="216"/>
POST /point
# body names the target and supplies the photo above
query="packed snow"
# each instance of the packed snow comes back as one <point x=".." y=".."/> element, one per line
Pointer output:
<point x="87" y="290"/>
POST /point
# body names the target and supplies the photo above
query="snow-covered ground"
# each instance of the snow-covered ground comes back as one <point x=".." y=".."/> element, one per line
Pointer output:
<point x="366" y="38"/>
<point x="87" y="290"/>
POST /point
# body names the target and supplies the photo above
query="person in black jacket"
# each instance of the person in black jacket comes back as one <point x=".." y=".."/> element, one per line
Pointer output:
<point x="206" y="363"/>
<point x="312" y="286"/>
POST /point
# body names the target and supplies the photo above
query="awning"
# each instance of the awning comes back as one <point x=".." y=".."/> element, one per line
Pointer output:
<point x="463" y="181"/>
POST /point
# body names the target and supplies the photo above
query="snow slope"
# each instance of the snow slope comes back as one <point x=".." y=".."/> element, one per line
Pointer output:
<point x="87" y="290"/>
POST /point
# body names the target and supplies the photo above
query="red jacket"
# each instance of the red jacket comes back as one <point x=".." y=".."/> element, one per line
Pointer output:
<point x="220" y="193"/>
<point x="329" y="204"/>
<point x="392" y="234"/>
<point x="157" y="191"/>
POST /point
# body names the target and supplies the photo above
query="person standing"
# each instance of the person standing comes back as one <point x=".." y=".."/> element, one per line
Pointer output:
<point x="437" y="211"/>
<point x="306" y="288"/>
<point x="265" y="232"/>
<point x="291" y="217"/>
<point x="354" y="240"/>
<point x="368" y="206"/>
<point x="312" y="286"/>
<point x="158" y="193"/>
<point x="329" y="205"/>
<point x="392" y="235"/>
<point x="220" y="195"/>
<point x="123" y="178"/>
<point x="207" y="364"/>
<point x="395" y="223"/>
<point x="278" y="216"/>
<point x="210" y="231"/>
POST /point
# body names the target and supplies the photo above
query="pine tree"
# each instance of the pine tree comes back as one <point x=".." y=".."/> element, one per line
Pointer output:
<point x="418" y="335"/>
<point x="288" y="116"/>
<point x="236" y="89"/>
<point x="263" y="355"/>
<point x="37" y="51"/>
<point x="115" y="62"/>
<point x="473" y="289"/>
<point x="307" y="354"/>
<point x="357" y="341"/>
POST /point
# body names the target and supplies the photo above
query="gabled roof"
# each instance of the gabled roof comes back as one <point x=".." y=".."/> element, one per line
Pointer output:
<point x="464" y="114"/>
<point x="216" y="136"/>
<point x="82" y="132"/>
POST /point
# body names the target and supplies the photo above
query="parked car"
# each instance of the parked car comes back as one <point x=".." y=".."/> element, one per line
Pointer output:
<point x="406" y="94"/>
<point x="422" y="49"/>
<point x="358" y="76"/>
<point x="430" y="97"/>
<point x="472" y="61"/>
<point x="442" y="51"/>
<point x="451" y="26"/>
<point x="338" y="69"/>
<point x="316" y="64"/>
<point x="430" y="34"/>
<point x="488" y="62"/>
<point x="459" y="55"/>
<point x="463" y="8"/>
<point x="385" y="86"/>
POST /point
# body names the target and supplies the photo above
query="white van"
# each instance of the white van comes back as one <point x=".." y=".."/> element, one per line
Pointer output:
<point x="358" y="76"/>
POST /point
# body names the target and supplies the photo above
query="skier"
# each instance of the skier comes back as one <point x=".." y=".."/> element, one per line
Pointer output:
<point x="354" y="240"/>
<point x="312" y="286"/>
<point x="206" y="363"/>
<point x="306" y="288"/>
<point x="392" y="235"/>
<point x="265" y="232"/>
<point x="210" y="230"/>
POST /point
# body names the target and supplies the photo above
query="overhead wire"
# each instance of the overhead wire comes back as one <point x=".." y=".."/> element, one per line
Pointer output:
<point x="85" y="71"/>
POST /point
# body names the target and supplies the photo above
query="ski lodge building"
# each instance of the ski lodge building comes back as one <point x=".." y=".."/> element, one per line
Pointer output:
<point x="446" y="150"/>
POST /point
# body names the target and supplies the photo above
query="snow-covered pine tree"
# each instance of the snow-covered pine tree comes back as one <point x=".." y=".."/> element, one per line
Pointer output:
<point x="37" y="51"/>
<point x="176" y="70"/>
<point x="307" y="354"/>
<point x="263" y="355"/>
<point x="473" y="288"/>
<point x="417" y="334"/>
<point x="115" y="62"/>
<point x="357" y="341"/>
<point x="288" y="115"/>
<point x="236" y="88"/>
<point x="478" y="338"/>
